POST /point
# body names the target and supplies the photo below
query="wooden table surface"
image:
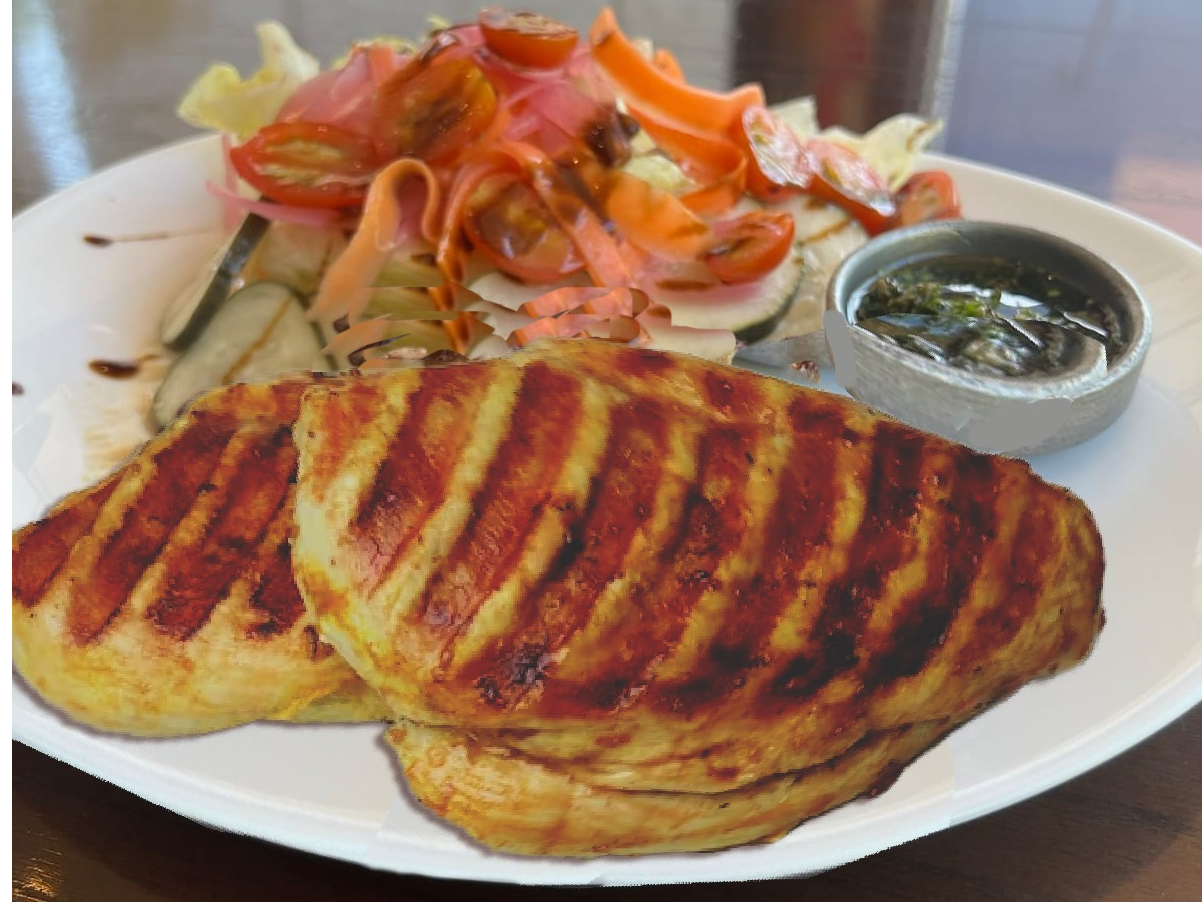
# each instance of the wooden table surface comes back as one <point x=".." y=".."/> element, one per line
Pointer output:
<point x="1104" y="96"/>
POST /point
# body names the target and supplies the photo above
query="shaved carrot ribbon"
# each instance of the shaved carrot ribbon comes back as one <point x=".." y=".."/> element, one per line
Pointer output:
<point x="654" y="219"/>
<point x="713" y="160"/>
<point x="628" y="301"/>
<point x="609" y="313"/>
<point x="347" y="286"/>
<point x="699" y="129"/>
<point x="666" y="62"/>
<point x="646" y="87"/>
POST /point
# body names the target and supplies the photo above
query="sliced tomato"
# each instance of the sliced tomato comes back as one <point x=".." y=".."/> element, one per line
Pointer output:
<point x="783" y="162"/>
<point x="307" y="164"/>
<point x="926" y="196"/>
<point x="435" y="110"/>
<point x="778" y="167"/>
<point x="528" y="39"/>
<point x="751" y="246"/>
<point x="843" y="177"/>
<point x="508" y="223"/>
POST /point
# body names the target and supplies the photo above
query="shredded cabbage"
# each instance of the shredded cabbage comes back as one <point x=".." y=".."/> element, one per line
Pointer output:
<point x="800" y="114"/>
<point x="220" y="99"/>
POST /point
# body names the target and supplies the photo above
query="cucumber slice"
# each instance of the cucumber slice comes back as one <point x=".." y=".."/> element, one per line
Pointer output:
<point x="297" y="255"/>
<point x="190" y="312"/>
<point x="750" y="312"/>
<point x="261" y="331"/>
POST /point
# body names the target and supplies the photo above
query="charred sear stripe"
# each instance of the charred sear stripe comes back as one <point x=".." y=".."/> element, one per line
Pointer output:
<point x="876" y="551"/>
<point x="643" y="367"/>
<point x="412" y="479"/>
<point x="44" y="546"/>
<point x="199" y="576"/>
<point x="798" y="527"/>
<point x="517" y="487"/>
<point x="659" y="609"/>
<point x="967" y="524"/>
<point x="180" y="472"/>
<point x="733" y="394"/>
<point x="356" y="403"/>
<point x="275" y="596"/>
<point x="621" y="497"/>
<point x="1022" y="584"/>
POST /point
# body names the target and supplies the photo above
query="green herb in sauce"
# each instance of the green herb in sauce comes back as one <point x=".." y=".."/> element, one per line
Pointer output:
<point x="970" y="311"/>
<point x="987" y="347"/>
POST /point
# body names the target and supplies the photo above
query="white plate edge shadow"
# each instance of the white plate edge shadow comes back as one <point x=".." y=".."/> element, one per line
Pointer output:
<point x="285" y="825"/>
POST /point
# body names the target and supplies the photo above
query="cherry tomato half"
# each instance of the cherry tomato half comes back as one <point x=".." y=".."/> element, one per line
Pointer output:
<point x="778" y="167"/>
<point x="528" y="39"/>
<point x="751" y="246"/>
<point x="843" y="177"/>
<point x="435" y="112"/>
<point x="508" y="223"/>
<point x="926" y="196"/>
<point x="307" y="164"/>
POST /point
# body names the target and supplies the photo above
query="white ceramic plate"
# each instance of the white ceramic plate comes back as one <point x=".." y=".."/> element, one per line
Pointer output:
<point x="335" y="790"/>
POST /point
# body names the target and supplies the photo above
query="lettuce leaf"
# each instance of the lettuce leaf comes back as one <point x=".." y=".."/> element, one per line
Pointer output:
<point x="222" y="100"/>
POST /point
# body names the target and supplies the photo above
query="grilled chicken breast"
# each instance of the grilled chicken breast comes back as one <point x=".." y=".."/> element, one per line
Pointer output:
<point x="519" y="804"/>
<point x="161" y="601"/>
<point x="594" y="580"/>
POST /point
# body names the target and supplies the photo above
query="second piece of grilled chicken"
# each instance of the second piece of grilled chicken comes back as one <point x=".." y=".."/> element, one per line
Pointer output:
<point x="620" y="576"/>
<point x="161" y="601"/>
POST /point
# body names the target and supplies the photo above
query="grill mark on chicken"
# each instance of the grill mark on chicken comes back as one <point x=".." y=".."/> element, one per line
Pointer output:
<point x="739" y="399"/>
<point x="360" y="403"/>
<point x="199" y="575"/>
<point x="517" y="488"/>
<point x="659" y="608"/>
<point x="1020" y="586"/>
<point x="969" y="524"/>
<point x="179" y="473"/>
<point x="640" y="364"/>
<point x="799" y="524"/>
<point x="877" y="549"/>
<point x="46" y="544"/>
<point x="621" y="497"/>
<point x="413" y="477"/>
<point x="247" y="663"/>
<point x="276" y="596"/>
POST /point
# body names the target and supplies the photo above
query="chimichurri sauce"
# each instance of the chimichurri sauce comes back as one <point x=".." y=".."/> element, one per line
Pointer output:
<point x="956" y="292"/>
